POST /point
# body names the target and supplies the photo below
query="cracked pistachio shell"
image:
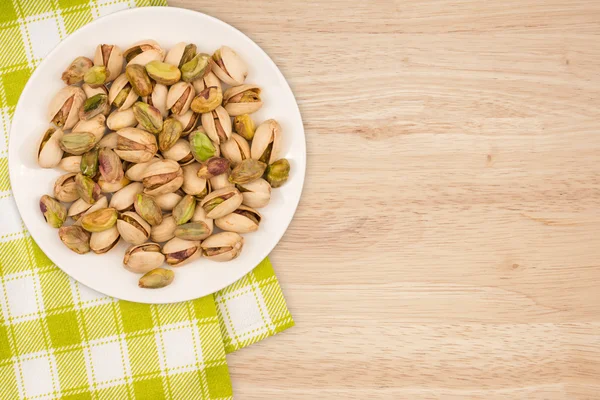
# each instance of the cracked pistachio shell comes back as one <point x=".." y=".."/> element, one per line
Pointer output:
<point x="162" y="72"/>
<point x="103" y="242"/>
<point x="221" y="202"/>
<point x="49" y="151"/>
<point x="121" y="119"/>
<point x="180" y="152"/>
<point x="179" y="97"/>
<point x="214" y="166"/>
<point x="143" y="258"/>
<point x="244" y="126"/>
<point x="75" y="238"/>
<point x="189" y="120"/>
<point x="256" y="194"/>
<point x="96" y="76"/>
<point x="242" y="220"/>
<point x="135" y="172"/>
<point x="75" y="71"/>
<point x="123" y="199"/>
<point x="121" y="94"/>
<point x="196" y="68"/>
<point x="111" y="187"/>
<point x="201" y="146"/>
<point x="110" y="165"/>
<point x="266" y="145"/>
<point x="168" y="201"/>
<point x="136" y="145"/>
<point x="192" y="184"/>
<point x="165" y="231"/>
<point x="109" y="141"/>
<point x="158" y="99"/>
<point x="229" y="66"/>
<point x="93" y="106"/>
<point x="236" y="149"/>
<point x="132" y="228"/>
<point x="161" y="177"/>
<point x="170" y="134"/>
<point x="92" y="91"/>
<point x="89" y="163"/>
<point x="217" y="125"/>
<point x="223" y="246"/>
<point x="95" y="125"/>
<point x="243" y="99"/>
<point x="278" y="173"/>
<point x="135" y="53"/>
<point x="200" y="216"/>
<point x="65" y="188"/>
<point x="156" y="279"/>
<point x="111" y="57"/>
<point x="53" y="211"/>
<point x="99" y="220"/>
<point x="179" y="252"/>
<point x="247" y="171"/>
<point x="148" y="117"/>
<point x="64" y="107"/>
<point x="70" y="164"/>
<point x="147" y="208"/>
<point x="180" y="54"/>
<point x="220" y="181"/>
<point x="193" y="231"/>
<point x="209" y="80"/>
<point x="139" y="80"/>
<point x="80" y="208"/>
<point x="184" y="210"/>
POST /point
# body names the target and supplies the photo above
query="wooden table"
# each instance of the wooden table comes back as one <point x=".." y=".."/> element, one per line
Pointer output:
<point x="447" y="245"/>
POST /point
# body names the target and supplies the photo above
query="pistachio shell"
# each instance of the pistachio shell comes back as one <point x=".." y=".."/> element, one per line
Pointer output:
<point x="229" y="66"/>
<point x="200" y="216"/>
<point x="80" y="208"/>
<point x="136" y="171"/>
<point x="123" y="199"/>
<point x="175" y="54"/>
<point x="180" y="97"/>
<point x="65" y="188"/>
<point x="102" y="242"/>
<point x="142" y="46"/>
<point x="242" y="220"/>
<point x="75" y="238"/>
<point x="158" y="99"/>
<point x="243" y="99"/>
<point x="143" y="258"/>
<point x="53" y="211"/>
<point x="156" y="279"/>
<point x="75" y="71"/>
<point x="161" y="177"/>
<point x="111" y="57"/>
<point x="189" y="120"/>
<point x="209" y="80"/>
<point x="217" y="125"/>
<point x="256" y="194"/>
<point x="168" y="201"/>
<point x="165" y="231"/>
<point x="180" y="152"/>
<point x="132" y="228"/>
<point x="121" y="94"/>
<point x="220" y="181"/>
<point x="224" y="246"/>
<point x="266" y="145"/>
<point x="179" y="252"/>
<point x="92" y="91"/>
<point x="136" y="145"/>
<point x="221" y="202"/>
<point x="235" y="149"/>
<point x="108" y="187"/>
<point x="121" y="119"/>
<point x="192" y="184"/>
<point x="49" y="151"/>
<point x="95" y="125"/>
<point x="64" y="107"/>
<point x="70" y="163"/>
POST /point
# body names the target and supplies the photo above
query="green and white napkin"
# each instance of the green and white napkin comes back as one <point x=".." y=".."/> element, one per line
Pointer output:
<point x="60" y="339"/>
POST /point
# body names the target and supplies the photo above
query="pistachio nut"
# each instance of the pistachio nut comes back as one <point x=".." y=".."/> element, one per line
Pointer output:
<point x="217" y="125"/>
<point x="135" y="172"/>
<point x="168" y="201"/>
<point x="200" y="216"/>
<point x="75" y="71"/>
<point x="110" y="165"/>
<point x="170" y="134"/>
<point x="109" y="141"/>
<point x="64" y="107"/>
<point x="161" y="177"/>
<point x="209" y="80"/>
<point x="89" y="163"/>
<point x="147" y="208"/>
<point x="99" y="220"/>
<point x="278" y="173"/>
<point x="158" y="99"/>
<point x="162" y="72"/>
<point x="243" y="99"/>
<point x="179" y="251"/>
<point x="229" y="66"/>
<point x="156" y="279"/>
<point x="111" y="57"/>
<point x="92" y="91"/>
<point x="111" y="187"/>
<point x="266" y="145"/>
<point x="102" y="242"/>
<point x="148" y="117"/>
<point x="189" y="120"/>
<point x="242" y="220"/>
<point x="180" y="152"/>
<point x="97" y="104"/>
<point x="136" y="145"/>
<point x="223" y="246"/>
<point x="180" y="54"/>
<point x="49" y="151"/>
<point x="193" y="231"/>
<point x="143" y="52"/>
<point x="183" y="211"/>
<point x="235" y="149"/>
<point x="65" y="188"/>
<point x="70" y="163"/>
<point x="139" y="79"/>
<point x="212" y="167"/>
<point x="247" y="171"/>
<point x="123" y="199"/>
<point x="201" y="146"/>
<point x="220" y="181"/>
<point x="80" y="207"/>
<point x="192" y="183"/>
<point x="54" y="212"/>
<point x="121" y="119"/>
<point x="75" y="238"/>
<point x="256" y="194"/>
<point x="180" y="97"/>
<point x="95" y="125"/>
<point x="87" y="189"/>
<point x="121" y="93"/>
<point x="132" y="228"/>
<point x="244" y="126"/>
<point x="221" y="202"/>
<point x="143" y="258"/>
<point x="207" y="100"/>
<point x="196" y="68"/>
<point x="165" y="231"/>
<point x="96" y="76"/>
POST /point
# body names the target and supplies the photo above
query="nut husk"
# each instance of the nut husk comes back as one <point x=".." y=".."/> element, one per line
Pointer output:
<point x="235" y="149"/>
<point x="123" y="199"/>
<point x="184" y="210"/>
<point x="121" y="93"/>
<point x="247" y="171"/>
<point x="217" y="125"/>
<point x="87" y="189"/>
<point x="149" y="117"/>
<point x="99" y="220"/>
<point x="256" y="194"/>
<point x="70" y="164"/>
<point x="156" y="279"/>
<point x="163" y="73"/>
<point x="111" y="57"/>
<point x="95" y="125"/>
<point x="165" y="231"/>
<point x="75" y="238"/>
<point x="229" y="66"/>
<point x="170" y="134"/>
<point x="142" y="258"/>
<point x="266" y="145"/>
<point x="221" y="202"/>
<point x="243" y="99"/>
<point x="102" y="242"/>
<point x="201" y="146"/>
<point x="49" y="151"/>
<point x="64" y="108"/>
<point x="180" y="97"/>
<point x="138" y="79"/>
<point x="224" y="246"/>
<point x="136" y="145"/>
<point x="76" y="70"/>
<point x="147" y="208"/>
<point x="65" y="188"/>
<point x="179" y="252"/>
<point x="132" y="228"/>
<point x="110" y="165"/>
<point x="278" y="173"/>
<point x="54" y="212"/>
<point x="242" y="220"/>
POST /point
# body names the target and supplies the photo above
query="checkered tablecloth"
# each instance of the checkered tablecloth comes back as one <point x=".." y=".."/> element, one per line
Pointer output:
<point x="60" y="339"/>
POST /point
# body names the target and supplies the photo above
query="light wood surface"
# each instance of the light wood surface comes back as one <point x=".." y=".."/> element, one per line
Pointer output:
<point x="447" y="244"/>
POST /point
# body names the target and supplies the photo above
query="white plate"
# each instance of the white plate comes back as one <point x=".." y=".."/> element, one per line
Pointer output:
<point x="168" y="26"/>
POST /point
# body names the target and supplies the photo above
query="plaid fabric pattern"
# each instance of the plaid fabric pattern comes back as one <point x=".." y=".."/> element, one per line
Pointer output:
<point x="60" y="339"/>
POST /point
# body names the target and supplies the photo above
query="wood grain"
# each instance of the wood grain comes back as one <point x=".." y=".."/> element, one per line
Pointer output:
<point x="447" y="244"/>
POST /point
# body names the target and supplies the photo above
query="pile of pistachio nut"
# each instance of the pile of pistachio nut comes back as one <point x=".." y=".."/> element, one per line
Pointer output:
<point x="151" y="156"/>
